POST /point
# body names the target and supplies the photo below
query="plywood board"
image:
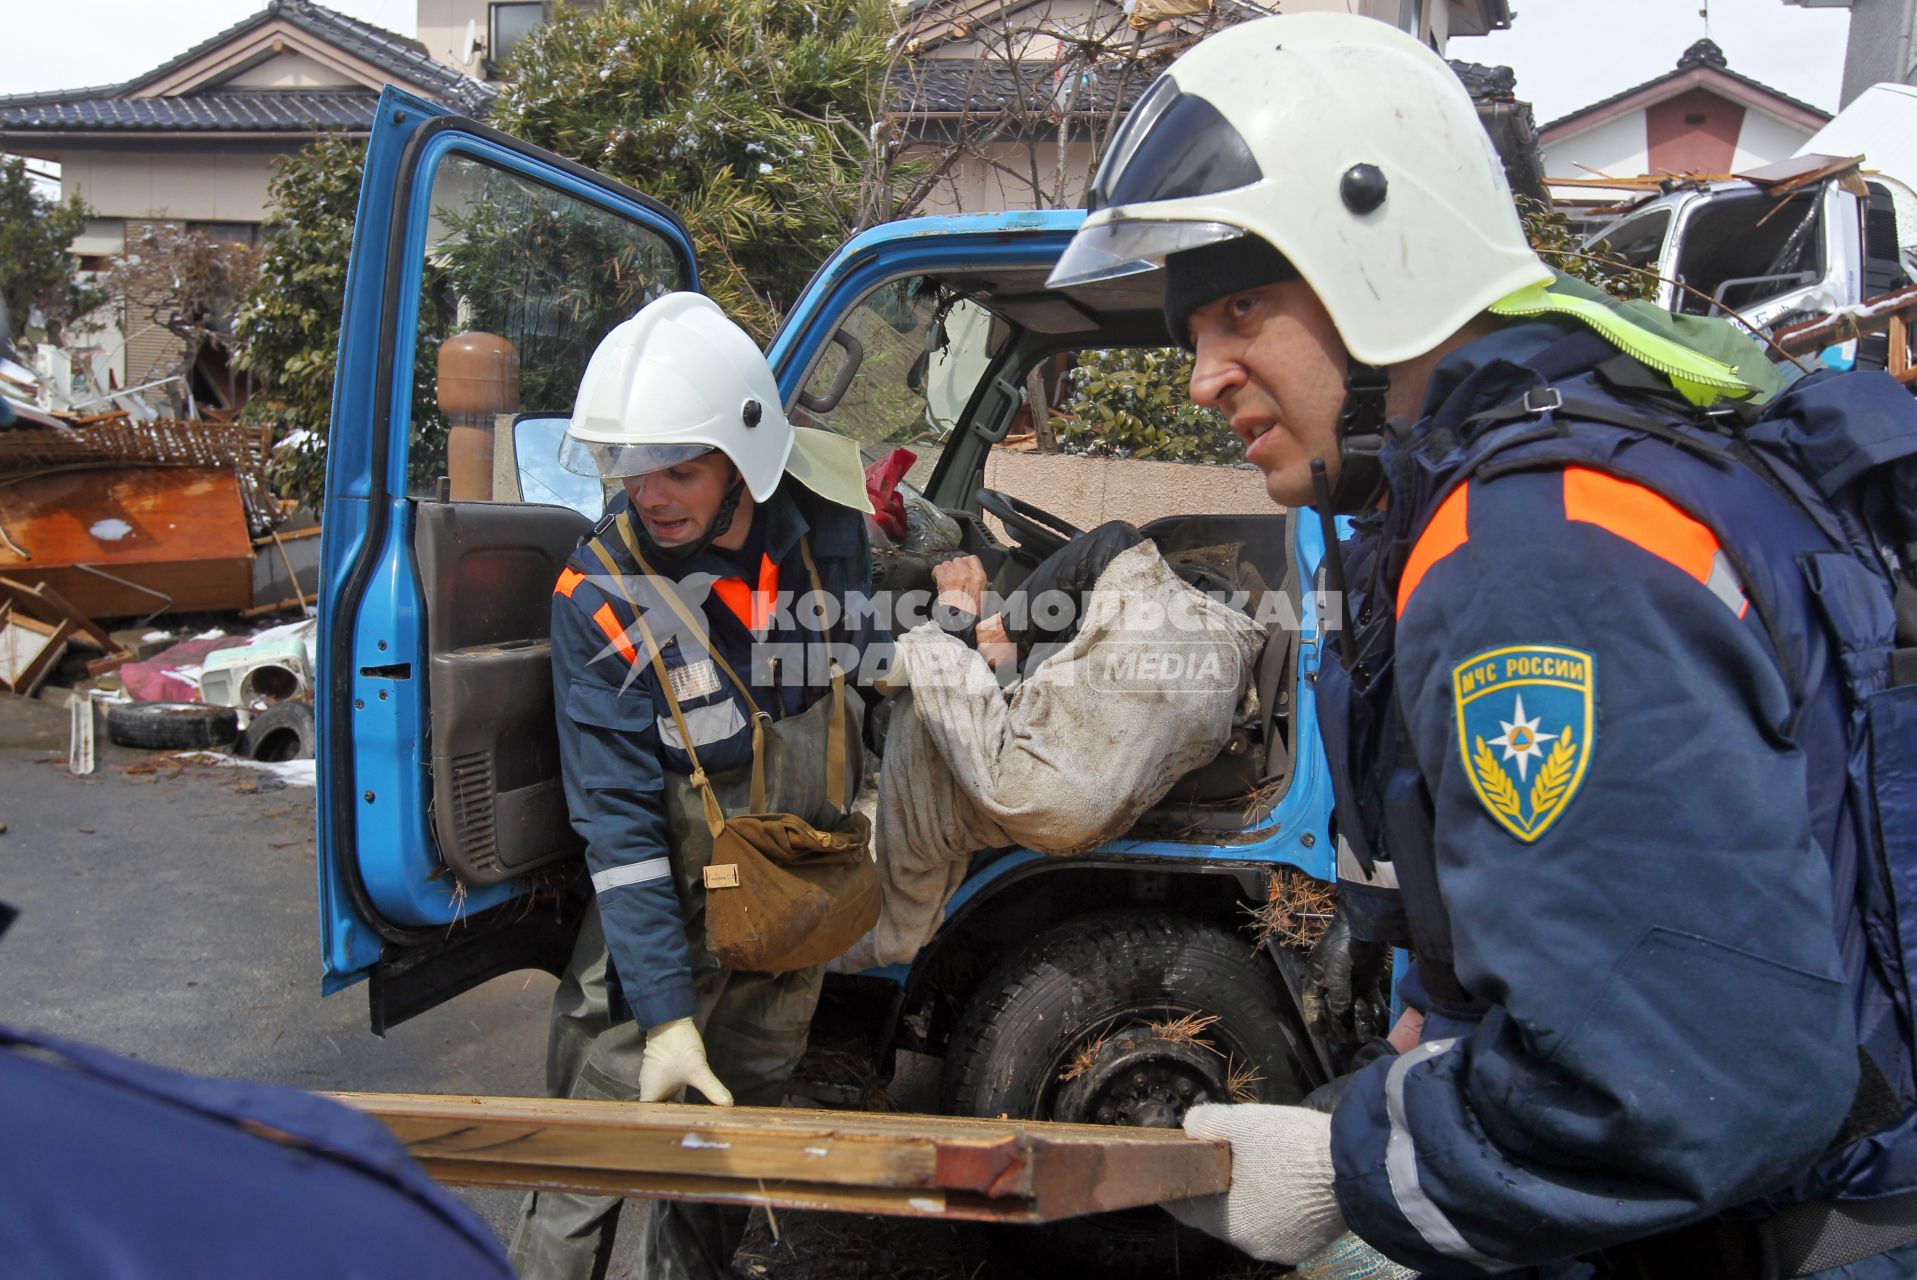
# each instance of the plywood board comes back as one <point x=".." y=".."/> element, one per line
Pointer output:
<point x="908" y="1165"/>
<point x="178" y="531"/>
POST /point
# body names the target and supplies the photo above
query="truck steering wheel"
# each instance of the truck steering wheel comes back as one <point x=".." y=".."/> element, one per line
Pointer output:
<point x="1038" y="532"/>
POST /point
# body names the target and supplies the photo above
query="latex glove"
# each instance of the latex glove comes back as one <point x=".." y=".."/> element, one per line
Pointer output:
<point x="1280" y="1207"/>
<point x="675" y="1057"/>
<point x="1349" y="1258"/>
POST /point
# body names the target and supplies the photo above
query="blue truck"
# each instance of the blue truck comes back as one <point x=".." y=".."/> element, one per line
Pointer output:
<point x="445" y="854"/>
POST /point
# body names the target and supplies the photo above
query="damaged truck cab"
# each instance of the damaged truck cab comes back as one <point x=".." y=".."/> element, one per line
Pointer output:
<point x="483" y="274"/>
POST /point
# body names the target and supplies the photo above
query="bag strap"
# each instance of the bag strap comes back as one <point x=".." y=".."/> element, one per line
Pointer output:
<point x="837" y="729"/>
<point x="715" y="816"/>
<point x="678" y="606"/>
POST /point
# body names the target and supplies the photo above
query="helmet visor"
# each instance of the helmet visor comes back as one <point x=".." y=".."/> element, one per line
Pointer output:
<point x="617" y="461"/>
<point x="1127" y="248"/>
<point x="1172" y="146"/>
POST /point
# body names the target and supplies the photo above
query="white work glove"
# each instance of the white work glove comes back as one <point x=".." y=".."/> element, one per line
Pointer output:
<point x="675" y="1057"/>
<point x="1349" y="1258"/>
<point x="1279" y="1207"/>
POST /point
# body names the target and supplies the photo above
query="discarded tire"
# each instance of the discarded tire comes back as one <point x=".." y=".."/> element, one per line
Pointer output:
<point x="174" y="725"/>
<point x="284" y="731"/>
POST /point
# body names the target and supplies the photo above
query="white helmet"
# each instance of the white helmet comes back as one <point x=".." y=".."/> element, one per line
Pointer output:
<point x="676" y="381"/>
<point x="1349" y="147"/>
<point x="679" y="380"/>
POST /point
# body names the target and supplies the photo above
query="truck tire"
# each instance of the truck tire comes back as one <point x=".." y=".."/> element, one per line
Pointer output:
<point x="1092" y="987"/>
<point x="284" y="731"/>
<point x="171" y="725"/>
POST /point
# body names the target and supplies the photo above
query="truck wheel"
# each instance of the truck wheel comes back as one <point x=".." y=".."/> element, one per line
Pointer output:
<point x="1100" y="1020"/>
<point x="171" y="725"/>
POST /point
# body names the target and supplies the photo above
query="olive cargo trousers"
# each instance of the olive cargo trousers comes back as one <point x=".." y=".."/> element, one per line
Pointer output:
<point x="754" y="1026"/>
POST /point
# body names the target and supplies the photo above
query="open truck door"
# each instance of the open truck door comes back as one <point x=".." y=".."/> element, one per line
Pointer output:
<point x="483" y="274"/>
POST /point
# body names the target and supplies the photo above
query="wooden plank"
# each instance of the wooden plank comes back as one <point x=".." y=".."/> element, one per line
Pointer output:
<point x="930" y="1166"/>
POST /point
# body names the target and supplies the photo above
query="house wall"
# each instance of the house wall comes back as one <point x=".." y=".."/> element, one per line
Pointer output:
<point x="150" y="352"/>
<point x="1732" y="138"/>
<point x="1877" y="29"/>
<point x="1694" y="132"/>
<point x="1618" y="147"/>
<point x="141" y="182"/>
<point x="289" y="71"/>
<point x="1766" y="140"/>
<point x="1089" y="491"/>
<point x="441" y="27"/>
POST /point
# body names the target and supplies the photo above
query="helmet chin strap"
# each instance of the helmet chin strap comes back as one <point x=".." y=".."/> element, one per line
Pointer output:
<point x="1361" y="427"/>
<point x="722" y="521"/>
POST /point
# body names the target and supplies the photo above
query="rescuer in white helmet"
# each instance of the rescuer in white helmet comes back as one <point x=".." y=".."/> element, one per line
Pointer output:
<point x="661" y="624"/>
<point x="1591" y="740"/>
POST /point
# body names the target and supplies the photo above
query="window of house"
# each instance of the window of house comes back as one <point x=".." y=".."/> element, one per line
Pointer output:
<point x="246" y="233"/>
<point x="507" y="25"/>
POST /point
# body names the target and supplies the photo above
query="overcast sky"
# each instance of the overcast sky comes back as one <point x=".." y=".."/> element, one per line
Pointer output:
<point x="1567" y="53"/>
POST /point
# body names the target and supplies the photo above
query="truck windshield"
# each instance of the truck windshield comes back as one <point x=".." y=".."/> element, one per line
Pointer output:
<point x="1740" y="250"/>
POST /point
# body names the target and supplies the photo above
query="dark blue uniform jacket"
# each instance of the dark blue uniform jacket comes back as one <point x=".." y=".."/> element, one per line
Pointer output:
<point x="1633" y="833"/>
<point x="616" y="735"/>
<point x="111" y="1167"/>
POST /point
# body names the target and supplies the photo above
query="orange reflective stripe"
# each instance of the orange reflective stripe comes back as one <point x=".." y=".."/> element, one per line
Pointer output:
<point x="1445" y="534"/>
<point x="609" y="623"/>
<point x="1639" y="516"/>
<point x="568" y="583"/>
<point x="753" y="608"/>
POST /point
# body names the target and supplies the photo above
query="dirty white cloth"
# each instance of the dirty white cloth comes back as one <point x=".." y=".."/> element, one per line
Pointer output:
<point x="1096" y="735"/>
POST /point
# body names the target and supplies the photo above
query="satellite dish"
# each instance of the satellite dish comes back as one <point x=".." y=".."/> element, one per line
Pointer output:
<point x="472" y="42"/>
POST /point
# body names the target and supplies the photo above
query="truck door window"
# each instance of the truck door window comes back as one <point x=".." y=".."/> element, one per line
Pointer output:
<point x="909" y="357"/>
<point x="519" y="283"/>
<point x="1639" y="242"/>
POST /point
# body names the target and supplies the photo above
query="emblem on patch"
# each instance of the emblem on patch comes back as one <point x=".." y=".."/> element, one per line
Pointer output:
<point x="1527" y="720"/>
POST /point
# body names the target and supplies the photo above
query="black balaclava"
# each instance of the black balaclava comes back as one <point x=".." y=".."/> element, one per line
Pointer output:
<point x="1195" y="277"/>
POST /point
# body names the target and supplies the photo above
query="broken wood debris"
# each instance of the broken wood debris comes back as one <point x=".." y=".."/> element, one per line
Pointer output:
<point x="902" y="1165"/>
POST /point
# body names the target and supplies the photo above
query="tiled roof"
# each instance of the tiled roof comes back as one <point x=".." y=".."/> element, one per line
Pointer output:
<point x="389" y="52"/>
<point x="225" y="111"/>
<point x="944" y="86"/>
<point x="948" y="86"/>
<point x="112" y="107"/>
<point x="1703" y="55"/>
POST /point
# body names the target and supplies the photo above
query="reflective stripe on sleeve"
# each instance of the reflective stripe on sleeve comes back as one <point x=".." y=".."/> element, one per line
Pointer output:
<point x="568" y="583"/>
<point x="1652" y="522"/>
<point x="707" y="725"/>
<point x="1383" y="874"/>
<point x="609" y="623"/>
<point x="1447" y="530"/>
<point x="1401" y="1165"/>
<point x="631" y="873"/>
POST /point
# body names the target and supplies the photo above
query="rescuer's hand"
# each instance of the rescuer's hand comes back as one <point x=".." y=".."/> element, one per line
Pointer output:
<point x="1349" y="1258"/>
<point x="1344" y="985"/>
<point x="1279" y="1207"/>
<point x="675" y="1057"/>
